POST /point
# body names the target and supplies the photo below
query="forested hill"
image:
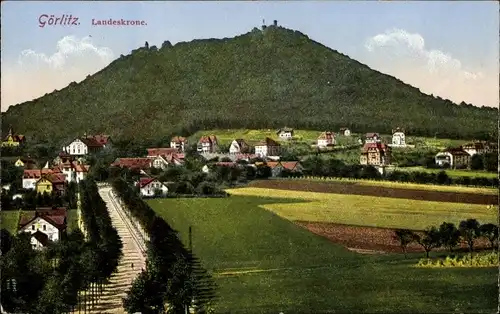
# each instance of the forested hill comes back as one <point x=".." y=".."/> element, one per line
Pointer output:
<point x="263" y="79"/>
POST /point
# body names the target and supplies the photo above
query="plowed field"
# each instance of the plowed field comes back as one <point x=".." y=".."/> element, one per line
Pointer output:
<point x="366" y="238"/>
<point x="381" y="191"/>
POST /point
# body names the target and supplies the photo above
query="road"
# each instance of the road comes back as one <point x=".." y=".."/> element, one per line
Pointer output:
<point x="121" y="281"/>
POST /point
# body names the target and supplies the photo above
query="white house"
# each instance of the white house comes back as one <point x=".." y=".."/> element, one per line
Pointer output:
<point x="455" y="158"/>
<point x="87" y="145"/>
<point x="398" y="138"/>
<point x="326" y="139"/>
<point x="52" y="224"/>
<point x="207" y="144"/>
<point x="179" y="143"/>
<point x="479" y="148"/>
<point x="345" y="132"/>
<point x="239" y="146"/>
<point x="74" y="171"/>
<point x="267" y="147"/>
<point x="39" y="240"/>
<point x="285" y="133"/>
<point x="148" y="186"/>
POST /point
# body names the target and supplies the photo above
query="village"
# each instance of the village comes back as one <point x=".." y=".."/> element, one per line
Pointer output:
<point x="70" y="166"/>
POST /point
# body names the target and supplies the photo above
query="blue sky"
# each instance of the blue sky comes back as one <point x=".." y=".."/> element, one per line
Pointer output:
<point x="466" y="32"/>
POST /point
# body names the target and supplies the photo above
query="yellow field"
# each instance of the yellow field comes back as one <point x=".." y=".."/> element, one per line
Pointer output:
<point x="412" y="186"/>
<point x="368" y="210"/>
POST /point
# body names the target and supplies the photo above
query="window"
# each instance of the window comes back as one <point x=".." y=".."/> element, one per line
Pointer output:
<point x="44" y="227"/>
<point x="32" y="227"/>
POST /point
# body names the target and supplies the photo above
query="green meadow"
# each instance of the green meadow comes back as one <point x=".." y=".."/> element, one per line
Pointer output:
<point x="263" y="263"/>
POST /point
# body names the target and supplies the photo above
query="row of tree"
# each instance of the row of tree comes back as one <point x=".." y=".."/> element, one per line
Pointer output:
<point x="447" y="235"/>
<point x="173" y="276"/>
<point x="316" y="166"/>
<point x="50" y="281"/>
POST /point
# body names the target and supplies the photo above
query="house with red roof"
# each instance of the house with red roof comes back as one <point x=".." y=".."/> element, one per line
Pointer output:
<point x="13" y="140"/>
<point x="375" y="154"/>
<point x="180" y="143"/>
<point x="372" y="138"/>
<point x="239" y="146"/>
<point x="267" y="147"/>
<point x="51" y="182"/>
<point x="87" y="145"/>
<point x="208" y="144"/>
<point x="31" y="176"/>
<point x="135" y="163"/>
<point x="74" y="171"/>
<point x="345" y="132"/>
<point x="151" y="186"/>
<point x="45" y="225"/>
<point x="163" y="157"/>
<point x="453" y="158"/>
<point x="277" y="167"/>
<point x="326" y="139"/>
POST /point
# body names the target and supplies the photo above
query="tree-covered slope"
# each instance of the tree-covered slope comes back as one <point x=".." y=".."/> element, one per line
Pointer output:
<point x="263" y="79"/>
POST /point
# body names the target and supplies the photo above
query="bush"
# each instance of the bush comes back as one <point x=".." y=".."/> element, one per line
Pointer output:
<point x="478" y="260"/>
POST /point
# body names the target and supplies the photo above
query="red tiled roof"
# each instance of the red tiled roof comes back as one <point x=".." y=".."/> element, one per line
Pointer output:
<point x="245" y="156"/>
<point x="326" y="136"/>
<point x="55" y="217"/>
<point x="91" y="142"/>
<point x="380" y="146"/>
<point x="212" y="139"/>
<point x="268" y="142"/>
<point x="370" y="135"/>
<point x="145" y="181"/>
<point x="290" y="165"/>
<point x="457" y="151"/>
<point x="153" y="152"/>
<point x="100" y="138"/>
<point x="37" y="173"/>
<point x="140" y="163"/>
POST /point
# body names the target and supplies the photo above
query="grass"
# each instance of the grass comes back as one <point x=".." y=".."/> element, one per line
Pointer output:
<point x="265" y="264"/>
<point x="411" y="186"/>
<point x="370" y="211"/>
<point x="452" y="172"/>
<point x="9" y="220"/>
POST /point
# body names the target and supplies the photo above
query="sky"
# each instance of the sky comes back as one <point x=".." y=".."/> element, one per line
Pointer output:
<point x="448" y="49"/>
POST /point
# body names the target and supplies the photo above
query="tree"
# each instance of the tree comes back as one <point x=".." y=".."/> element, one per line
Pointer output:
<point x="476" y="162"/>
<point x="489" y="231"/>
<point x="429" y="240"/>
<point x="5" y="241"/>
<point x="145" y="295"/>
<point x="469" y="230"/>
<point x="405" y="237"/>
<point x="449" y="235"/>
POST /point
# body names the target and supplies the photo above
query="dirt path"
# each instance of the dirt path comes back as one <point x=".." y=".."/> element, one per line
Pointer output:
<point x="121" y="281"/>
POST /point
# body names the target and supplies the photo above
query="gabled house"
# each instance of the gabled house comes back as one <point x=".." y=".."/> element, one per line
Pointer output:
<point x="345" y="132"/>
<point x="372" y="138"/>
<point x="375" y="154"/>
<point x="453" y="158"/>
<point x="74" y="171"/>
<point x="267" y="147"/>
<point x="149" y="186"/>
<point x="179" y="143"/>
<point x="31" y="176"/>
<point x="52" y="182"/>
<point x="208" y="144"/>
<point x="163" y="157"/>
<point x="398" y="137"/>
<point x="326" y="139"/>
<point x="49" y="222"/>
<point x="277" y="167"/>
<point x="26" y="163"/>
<point x="285" y="133"/>
<point x="62" y="157"/>
<point x="477" y="147"/>
<point x="239" y="146"/>
<point x="87" y="145"/>
<point x="140" y="163"/>
<point x="13" y="140"/>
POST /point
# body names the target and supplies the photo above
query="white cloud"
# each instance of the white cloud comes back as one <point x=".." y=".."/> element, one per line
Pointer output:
<point x="405" y="56"/>
<point x="37" y="73"/>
